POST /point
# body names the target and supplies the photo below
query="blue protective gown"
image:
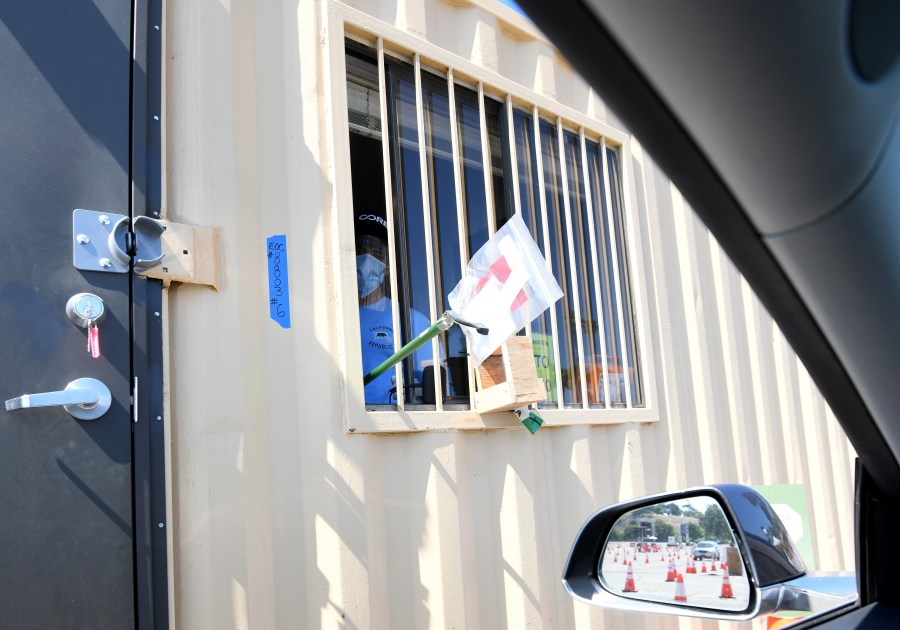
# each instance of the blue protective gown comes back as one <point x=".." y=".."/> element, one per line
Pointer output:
<point x="376" y="329"/>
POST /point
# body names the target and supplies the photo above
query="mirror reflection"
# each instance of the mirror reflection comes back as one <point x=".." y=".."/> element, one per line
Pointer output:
<point x="679" y="552"/>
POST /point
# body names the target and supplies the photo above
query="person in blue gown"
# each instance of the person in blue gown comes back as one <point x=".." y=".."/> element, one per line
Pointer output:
<point x="375" y="310"/>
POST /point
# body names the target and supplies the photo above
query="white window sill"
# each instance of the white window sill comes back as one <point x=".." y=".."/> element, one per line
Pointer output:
<point x="415" y="421"/>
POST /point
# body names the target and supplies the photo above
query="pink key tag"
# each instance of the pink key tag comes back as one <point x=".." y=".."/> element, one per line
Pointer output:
<point x="94" y="340"/>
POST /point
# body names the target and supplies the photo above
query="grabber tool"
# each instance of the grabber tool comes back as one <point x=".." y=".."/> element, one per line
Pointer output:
<point x="445" y="322"/>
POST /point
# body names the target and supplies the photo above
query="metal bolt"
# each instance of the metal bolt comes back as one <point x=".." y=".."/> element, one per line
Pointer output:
<point x="160" y="525"/>
<point x="103" y="219"/>
<point x="156" y="118"/>
<point x="84" y="239"/>
<point x="106" y="263"/>
<point x="156" y="27"/>
<point x="156" y="213"/>
<point x="156" y="313"/>
<point x="158" y="418"/>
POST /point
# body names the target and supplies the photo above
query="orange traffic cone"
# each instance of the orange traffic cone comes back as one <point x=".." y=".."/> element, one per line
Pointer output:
<point x="629" y="581"/>
<point x="727" y="593"/>
<point x="647" y="559"/>
<point x="690" y="566"/>
<point x="680" y="594"/>
<point x="703" y="567"/>
<point x="670" y="576"/>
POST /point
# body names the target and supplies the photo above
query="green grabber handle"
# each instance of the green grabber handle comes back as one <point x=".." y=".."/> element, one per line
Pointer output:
<point x="446" y="321"/>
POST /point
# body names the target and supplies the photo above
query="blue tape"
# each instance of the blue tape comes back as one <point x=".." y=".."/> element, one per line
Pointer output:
<point x="279" y="287"/>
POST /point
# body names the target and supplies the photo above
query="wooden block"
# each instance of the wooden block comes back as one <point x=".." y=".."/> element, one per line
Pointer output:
<point x="190" y="255"/>
<point x="521" y="357"/>
<point x="508" y="380"/>
<point x="504" y="397"/>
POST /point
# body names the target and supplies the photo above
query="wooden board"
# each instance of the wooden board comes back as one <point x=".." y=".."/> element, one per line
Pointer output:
<point x="190" y="255"/>
<point x="508" y="379"/>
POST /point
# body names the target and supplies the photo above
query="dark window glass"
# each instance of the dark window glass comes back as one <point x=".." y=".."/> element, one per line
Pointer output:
<point x="632" y="350"/>
<point x="445" y="222"/>
<point x="566" y="338"/>
<point x="529" y="200"/>
<point x="367" y="172"/>
<point x="469" y="124"/>
<point x="582" y="270"/>
<point x="608" y="298"/>
<point x="498" y="141"/>
<point x="409" y="221"/>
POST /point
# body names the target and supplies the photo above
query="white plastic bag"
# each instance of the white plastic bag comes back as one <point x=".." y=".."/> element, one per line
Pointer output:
<point x="507" y="284"/>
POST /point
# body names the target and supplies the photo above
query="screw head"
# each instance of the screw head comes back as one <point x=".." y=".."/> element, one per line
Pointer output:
<point x="160" y="525"/>
<point x="156" y="313"/>
<point x="84" y="239"/>
<point x="156" y="118"/>
<point x="158" y="418"/>
<point x="156" y="27"/>
<point x="106" y="263"/>
<point x="103" y="219"/>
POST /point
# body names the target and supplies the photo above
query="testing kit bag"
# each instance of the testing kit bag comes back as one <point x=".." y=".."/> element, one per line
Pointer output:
<point x="507" y="284"/>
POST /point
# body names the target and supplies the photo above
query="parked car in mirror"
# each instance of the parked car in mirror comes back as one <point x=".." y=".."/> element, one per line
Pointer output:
<point x="706" y="550"/>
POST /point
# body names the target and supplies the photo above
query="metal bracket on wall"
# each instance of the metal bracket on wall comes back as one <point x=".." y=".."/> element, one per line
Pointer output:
<point x="102" y="241"/>
<point x="190" y="254"/>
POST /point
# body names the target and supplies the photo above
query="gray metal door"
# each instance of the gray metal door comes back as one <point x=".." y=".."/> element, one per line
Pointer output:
<point x="66" y="533"/>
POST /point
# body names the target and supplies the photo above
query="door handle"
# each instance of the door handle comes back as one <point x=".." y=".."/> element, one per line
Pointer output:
<point x="83" y="398"/>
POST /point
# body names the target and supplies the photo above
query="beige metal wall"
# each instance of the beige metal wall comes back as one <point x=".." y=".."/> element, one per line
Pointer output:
<point x="280" y="519"/>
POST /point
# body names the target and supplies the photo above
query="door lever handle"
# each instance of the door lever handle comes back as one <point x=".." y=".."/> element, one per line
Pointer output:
<point x="83" y="398"/>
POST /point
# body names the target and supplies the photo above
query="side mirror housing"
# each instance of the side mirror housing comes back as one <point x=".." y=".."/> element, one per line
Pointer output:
<point x="617" y="534"/>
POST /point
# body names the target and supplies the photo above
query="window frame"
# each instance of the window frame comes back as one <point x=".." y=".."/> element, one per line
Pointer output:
<point x="346" y="23"/>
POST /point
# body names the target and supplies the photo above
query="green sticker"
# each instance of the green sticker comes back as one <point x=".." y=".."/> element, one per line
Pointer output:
<point x="542" y="346"/>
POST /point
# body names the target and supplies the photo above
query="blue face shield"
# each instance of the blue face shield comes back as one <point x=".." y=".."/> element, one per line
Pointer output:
<point x="369" y="274"/>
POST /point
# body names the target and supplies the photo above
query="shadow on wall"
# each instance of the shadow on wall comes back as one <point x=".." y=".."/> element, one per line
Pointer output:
<point x="63" y="67"/>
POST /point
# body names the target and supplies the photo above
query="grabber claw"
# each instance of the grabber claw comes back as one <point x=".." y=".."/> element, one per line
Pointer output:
<point x="530" y="419"/>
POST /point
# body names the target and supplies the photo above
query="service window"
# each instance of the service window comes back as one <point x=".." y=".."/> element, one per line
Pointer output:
<point x="460" y="162"/>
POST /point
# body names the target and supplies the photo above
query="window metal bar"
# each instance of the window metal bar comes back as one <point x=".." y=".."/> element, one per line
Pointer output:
<point x="429" y="232"/>
<point x="517" y="201"/>
<point x="486" y="163"/>
<point x="489" y="198"/>
<point x="595" y="266"/>
<point x="536" y="120"/>
<point x="618" y="285"/>
<point x="573" y="272"/>
<point x="460" y="211"/>
<point x="514" y="162"/>
<point x="510" y="132"/>
<point x="389" y="212"/>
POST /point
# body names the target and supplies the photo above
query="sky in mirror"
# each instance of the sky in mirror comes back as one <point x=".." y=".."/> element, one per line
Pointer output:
<point x="680" y="552"/>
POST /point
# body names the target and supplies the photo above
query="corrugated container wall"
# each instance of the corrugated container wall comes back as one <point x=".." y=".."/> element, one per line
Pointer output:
<point x="281" y="518"/>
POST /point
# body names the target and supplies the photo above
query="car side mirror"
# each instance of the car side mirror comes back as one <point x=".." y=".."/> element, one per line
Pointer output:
<point x="717" y="552"/>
